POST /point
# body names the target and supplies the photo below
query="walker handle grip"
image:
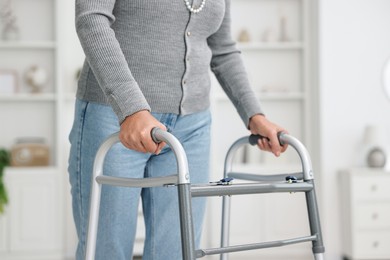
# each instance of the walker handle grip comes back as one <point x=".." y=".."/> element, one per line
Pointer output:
<point x="153" y="135"/>
<point x="254" y="138"/>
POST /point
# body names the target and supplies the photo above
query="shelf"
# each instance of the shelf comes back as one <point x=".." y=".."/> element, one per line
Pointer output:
<point x="31" y="170"/>
<point x="22" y="97"/>
<point x="27" y="45"/>
<point x="264" y="46"/>
<point x="282" y="96"/>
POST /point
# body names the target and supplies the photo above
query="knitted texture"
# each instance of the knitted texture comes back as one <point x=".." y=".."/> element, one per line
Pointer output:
<point x="155" y="55"/>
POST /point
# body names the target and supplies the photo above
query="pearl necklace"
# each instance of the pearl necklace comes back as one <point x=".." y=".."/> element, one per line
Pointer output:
<point x="195" y="10"/>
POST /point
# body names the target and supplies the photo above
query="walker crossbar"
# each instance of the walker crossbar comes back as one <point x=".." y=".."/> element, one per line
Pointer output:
<point x="248" y="188"/>
<point x="238" y="248"/>
<point x="138" y="182"/>
<point x="260" y="177"/>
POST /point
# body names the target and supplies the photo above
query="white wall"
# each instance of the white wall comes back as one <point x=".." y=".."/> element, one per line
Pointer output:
<point x="354" y="42"/>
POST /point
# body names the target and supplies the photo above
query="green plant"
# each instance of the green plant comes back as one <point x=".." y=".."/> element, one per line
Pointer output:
<point x="4" y="161"/>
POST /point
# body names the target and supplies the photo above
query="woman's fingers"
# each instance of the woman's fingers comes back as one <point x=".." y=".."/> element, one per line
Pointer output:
<point x="136" y="130"/>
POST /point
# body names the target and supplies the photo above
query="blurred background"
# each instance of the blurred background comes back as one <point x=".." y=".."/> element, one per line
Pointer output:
<point x="318" y="68"/>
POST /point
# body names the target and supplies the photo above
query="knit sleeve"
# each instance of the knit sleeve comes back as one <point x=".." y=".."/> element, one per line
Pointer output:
<point x="105" y="57"/>
<point x="228" y="67"/>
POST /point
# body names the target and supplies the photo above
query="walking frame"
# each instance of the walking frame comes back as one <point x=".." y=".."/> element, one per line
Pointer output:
<point x="302" y="182"/>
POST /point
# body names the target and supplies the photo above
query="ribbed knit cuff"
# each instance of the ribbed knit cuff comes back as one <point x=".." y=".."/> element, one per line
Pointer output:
<point x="248" y="108"/>
<point x="127" y="101"/>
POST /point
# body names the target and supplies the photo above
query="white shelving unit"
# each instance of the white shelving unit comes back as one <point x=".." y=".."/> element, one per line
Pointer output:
<point x="280" y="69"/>
<point x="15" y="45"/>
<point x="32" y="227"/>
<point x="269" y="46"/>
<point x="23" y="97"/>
<point x="279" y="65"/>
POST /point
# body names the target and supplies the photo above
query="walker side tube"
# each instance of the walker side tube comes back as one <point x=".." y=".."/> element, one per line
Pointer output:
<point x="226" y="200"/>
<point x="95" y="196"/>
<point x="306" y="175"/>
<point x="184" y="192"/>
<point x="182" y="179"/>
<point x="159" y="135"/>
<point x="302" y="152"/>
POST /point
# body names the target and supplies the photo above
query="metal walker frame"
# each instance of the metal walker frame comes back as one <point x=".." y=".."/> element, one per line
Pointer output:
<point x="263" y="184"/>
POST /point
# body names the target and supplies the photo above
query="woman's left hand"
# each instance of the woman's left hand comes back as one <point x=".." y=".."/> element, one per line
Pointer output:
<point x="259" y="125"/>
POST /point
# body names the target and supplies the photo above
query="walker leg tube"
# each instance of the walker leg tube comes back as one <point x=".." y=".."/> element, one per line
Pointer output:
<point x="225" y="225"/>
<point x="319" y="256"/>
<point x="314" y="219"/>
<point x="93" y="220"/>
<point x="186" y="221"/>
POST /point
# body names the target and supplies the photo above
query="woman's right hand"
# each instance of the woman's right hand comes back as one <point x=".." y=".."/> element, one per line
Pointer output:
<point x="135" y="132"/>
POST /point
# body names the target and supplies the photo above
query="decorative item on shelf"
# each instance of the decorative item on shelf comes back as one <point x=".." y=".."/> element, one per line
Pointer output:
<point x="374" y="139"/>
<point x="267" y="35"/>
<point x="36" y="78"/>
<point x="10" y="30"/>
<point x="8" y="81"/>
<point x="283" y="36"/>
<point x="244" y="36"/>
<point x="30" y="152"/>
<point x="4" y="161"/>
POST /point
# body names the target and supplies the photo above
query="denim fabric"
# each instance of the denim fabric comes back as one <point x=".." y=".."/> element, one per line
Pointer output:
<point x="119" y="206"/>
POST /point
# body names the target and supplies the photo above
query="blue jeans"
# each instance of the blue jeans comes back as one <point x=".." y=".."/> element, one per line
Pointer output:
<point x="119" y="206"/>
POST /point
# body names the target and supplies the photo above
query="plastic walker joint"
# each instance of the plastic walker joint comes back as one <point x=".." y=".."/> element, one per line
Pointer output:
<point x="291" y="179"/>
<point x="224" y="181"/>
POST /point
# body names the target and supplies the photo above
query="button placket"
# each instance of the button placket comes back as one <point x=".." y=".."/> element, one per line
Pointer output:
<point x="188" y="34"/>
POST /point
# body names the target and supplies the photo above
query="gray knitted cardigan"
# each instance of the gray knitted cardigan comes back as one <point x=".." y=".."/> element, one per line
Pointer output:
<point x="155" y="55"/>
